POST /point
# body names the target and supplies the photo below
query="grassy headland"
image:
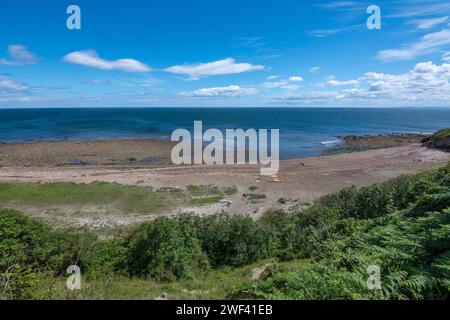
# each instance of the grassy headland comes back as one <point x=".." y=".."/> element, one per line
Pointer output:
<point x="440" y="139"/>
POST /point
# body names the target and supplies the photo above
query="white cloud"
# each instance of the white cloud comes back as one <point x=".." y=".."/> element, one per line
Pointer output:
<point x="275" y="84"/>
<point x="315" y="69"/>
<point x="323" y="33"/>
<point x="446" y="56"/>
<point x="283" y="84"/>
<point x="9" y="85"/>
<point x="19" y="56"/>
<point x="90" y="58"/>
<point x="340" y="5"/>
<point x="428" y="23"/>
<point x="97" y="81"/>
<point x="220" y="67"/>
<point x="296" y="79"/>
<point x="331" y="81"/>
<point x="420" y="9"/>
<point x="229" y="91"/>
<point x="427" y="44"/>
<point x="426" y="84"/>
<point x="272" y="77"/>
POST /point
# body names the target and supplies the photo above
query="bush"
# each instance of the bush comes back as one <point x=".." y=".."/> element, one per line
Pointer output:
<point x="231" y="240"/>
<point x="165" y="250"/>
<point x="27" y="242"/>
<point x="106" y="257"/>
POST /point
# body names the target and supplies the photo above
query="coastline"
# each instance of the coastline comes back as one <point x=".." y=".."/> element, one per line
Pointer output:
<point x="354" y="143"/>
<point x="298" y="183"/>
<point x="142" y="153"/>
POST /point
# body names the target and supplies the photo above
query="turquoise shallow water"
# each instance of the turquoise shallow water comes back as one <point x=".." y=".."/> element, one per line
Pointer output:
<point x="303" y="132"/>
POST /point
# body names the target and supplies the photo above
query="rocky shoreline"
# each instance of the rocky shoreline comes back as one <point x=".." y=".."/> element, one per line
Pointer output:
<point x="101" y="153"/>
<point x="141" y="153"/>
<point x="355" y="143"/>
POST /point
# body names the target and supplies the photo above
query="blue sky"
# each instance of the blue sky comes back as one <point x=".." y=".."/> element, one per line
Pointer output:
<point x="233" y="53"/>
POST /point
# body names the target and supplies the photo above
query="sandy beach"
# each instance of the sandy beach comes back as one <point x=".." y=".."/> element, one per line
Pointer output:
<point x="147" y="163"/>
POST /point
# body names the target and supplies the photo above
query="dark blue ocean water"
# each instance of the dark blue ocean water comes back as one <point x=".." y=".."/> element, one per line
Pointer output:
<point x="303" y="132"/>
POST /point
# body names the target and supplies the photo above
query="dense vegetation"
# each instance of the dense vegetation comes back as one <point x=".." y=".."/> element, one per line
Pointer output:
<point x="402" y="226"/>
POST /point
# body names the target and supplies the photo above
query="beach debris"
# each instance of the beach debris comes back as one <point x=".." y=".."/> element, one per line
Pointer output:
<point x="275" y="179"/>
<point x="79" y="163"/>
<point x="226" y="202"/>
<point x="150" y="160"/>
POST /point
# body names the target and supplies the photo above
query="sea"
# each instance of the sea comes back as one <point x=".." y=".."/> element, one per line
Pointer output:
<point x="303" y="131"/>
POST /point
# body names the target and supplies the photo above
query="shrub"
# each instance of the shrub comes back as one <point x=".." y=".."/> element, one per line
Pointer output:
<point x="27" y="242"/>
<point x="232" y="240"/>
<point x="164" y="249"/>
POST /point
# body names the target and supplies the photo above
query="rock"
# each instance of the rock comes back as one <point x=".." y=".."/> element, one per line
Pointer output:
<point x="226" y="202"/>
<point x="275" y="179"/>
<point x="257" y="272"/>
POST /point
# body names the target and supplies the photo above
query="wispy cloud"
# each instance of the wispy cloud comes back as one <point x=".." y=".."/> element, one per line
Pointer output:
<point x="410" y="10"/>
<point x="340" y="5"/>
<point x="429" y="43"/>
<point x="90" y="58"/>
<point x="215" y="68"/>
<point x="322" y="33"/>
<point x="446" y="56"/>
<point x="97" y="81"/>
<point x="290" y="83"/>
<point x="275" y="84"/>
<point x="229" y="91"/>
<point x="249" y="42"/>
<point x="428" y="23"/>
<point x="11" y="91"/>
<point x="314" y="69"/>
<point x="9" y="85"/>
<point x="19" y="55"/>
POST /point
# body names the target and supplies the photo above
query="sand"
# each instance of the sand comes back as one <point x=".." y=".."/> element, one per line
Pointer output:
<point x="299" y="182"/>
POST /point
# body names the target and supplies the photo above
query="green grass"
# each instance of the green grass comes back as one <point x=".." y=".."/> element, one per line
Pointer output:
<point x="230" y="190"/>
<point x="442" y="134"/>
<point x="116" y="197"/>
<point x="254" y="197"/>
<point x="214" y="284"/>
<point x="201" y="201"/>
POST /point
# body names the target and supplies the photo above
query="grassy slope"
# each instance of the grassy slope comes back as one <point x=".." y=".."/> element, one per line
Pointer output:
<point x="215" y="284"/>
<point x="441" y="134"/>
